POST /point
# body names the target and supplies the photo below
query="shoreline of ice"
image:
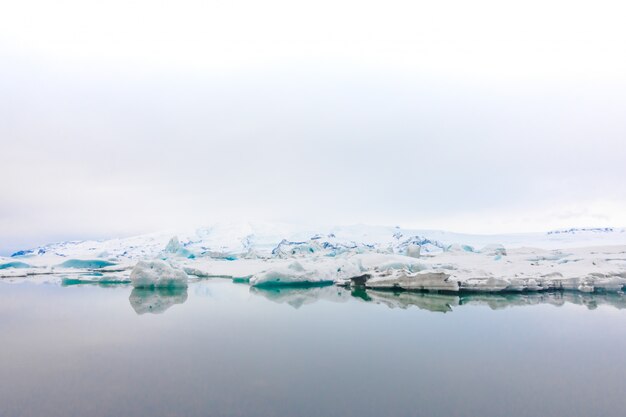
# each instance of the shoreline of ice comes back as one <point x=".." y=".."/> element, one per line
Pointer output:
<point x="360" y="256"/>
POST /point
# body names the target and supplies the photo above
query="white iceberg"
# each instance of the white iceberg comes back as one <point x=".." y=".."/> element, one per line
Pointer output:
<point x="581" y="260"/>
<point x="420" y="281"/>
<point x="413" y="250"/>
<point x="157" y="273"/>
<point x="173" y="245"/>
<point x="294" y="273"/>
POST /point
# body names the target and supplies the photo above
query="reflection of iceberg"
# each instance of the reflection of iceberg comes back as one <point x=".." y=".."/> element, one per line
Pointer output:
<point x="299" y="296"/>
<point x="557" y="298"/>
<point x="156" y="300"/>
<point x="505" y="300"/>
<point x="437" y="302"/>
<point x="448" y="302"/>
<point x="202" y="290"/>
<point x="405" y="299"/>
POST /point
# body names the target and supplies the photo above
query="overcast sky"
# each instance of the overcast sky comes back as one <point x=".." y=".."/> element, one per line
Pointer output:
<point x="122" y="117"/>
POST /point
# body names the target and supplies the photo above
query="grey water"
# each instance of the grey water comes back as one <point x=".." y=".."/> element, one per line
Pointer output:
<point x="225" y="349"/>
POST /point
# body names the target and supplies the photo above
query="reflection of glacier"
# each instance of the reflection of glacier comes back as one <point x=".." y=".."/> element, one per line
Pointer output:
<point x="591" y="301"/>
<point x="404" y="299"/>
<point x="448" y="302"/>
<point x="299" y="296"/>
<point x="436" y="302"/>
<point x="202" y="290"/>
<point x="156" y="300"/>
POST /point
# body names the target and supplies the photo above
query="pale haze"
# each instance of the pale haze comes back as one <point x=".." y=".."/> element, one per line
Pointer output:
<point x="120" y="117"/>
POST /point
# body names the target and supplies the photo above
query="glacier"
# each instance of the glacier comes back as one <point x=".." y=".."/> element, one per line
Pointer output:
<point x="359" y="256"/>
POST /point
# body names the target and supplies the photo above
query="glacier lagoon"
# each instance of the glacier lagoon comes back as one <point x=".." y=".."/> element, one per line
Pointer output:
<point x="222" y="349"/>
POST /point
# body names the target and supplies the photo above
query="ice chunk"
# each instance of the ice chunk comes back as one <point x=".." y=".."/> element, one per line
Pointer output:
<point x="586" y="287"/>
<point x="425" y="245"/>
<point x="95" y="278"/>
<point x="384" y="262"/>
<point x="610" y="283"/>
<point x="176" y="248"/>
<point x="173" y="245"/>
<point x="486" y="284"/>
<point x="197" y="272"/>
<point x="494" y="250"/>
<point x="157" y="273"/>
<point x="413" y="250"/>
<point x="456" y="247"/>
<point x="292" y="274"/>
<point x="314" y="271"/>
<point x="86" y="263"/>
<point x="420" y="281"/>
<point x="287" y="249"/>
<point x="15" y="264"/>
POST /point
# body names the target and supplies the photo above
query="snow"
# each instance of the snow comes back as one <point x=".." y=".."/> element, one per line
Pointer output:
<point x="375" y="257"/>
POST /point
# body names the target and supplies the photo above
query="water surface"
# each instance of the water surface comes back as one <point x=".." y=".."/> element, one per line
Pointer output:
<point x="223" y="349"/>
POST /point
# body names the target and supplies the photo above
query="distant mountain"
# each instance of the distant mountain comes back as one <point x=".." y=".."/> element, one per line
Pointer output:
<point x="573" y="231"/>
<point x="228" y="240"/>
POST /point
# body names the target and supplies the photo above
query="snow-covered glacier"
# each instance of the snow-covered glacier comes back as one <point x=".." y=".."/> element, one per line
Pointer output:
<point x="359" y="256"/>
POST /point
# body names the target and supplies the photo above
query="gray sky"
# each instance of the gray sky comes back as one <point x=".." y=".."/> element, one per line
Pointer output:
<point x="126" y="117"/>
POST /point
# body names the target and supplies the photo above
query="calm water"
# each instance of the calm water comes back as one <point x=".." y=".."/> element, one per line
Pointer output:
<point x="222" y="349"/>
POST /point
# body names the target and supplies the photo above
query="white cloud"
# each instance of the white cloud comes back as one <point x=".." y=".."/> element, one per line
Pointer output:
<point x="121" y="117"/>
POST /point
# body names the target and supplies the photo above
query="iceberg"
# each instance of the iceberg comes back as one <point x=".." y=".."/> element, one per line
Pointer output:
<point x="173" y="245"/>
<point x="581" y="260"/>
<point x="292" y="274"/>
<point x="95" y="278"/>
<point x="15" y="264"/>
<point x="418" y="281"/>
<point x="157" y="273"/>
<point x="86" y="263"/>
<point x="413" y="250"/>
